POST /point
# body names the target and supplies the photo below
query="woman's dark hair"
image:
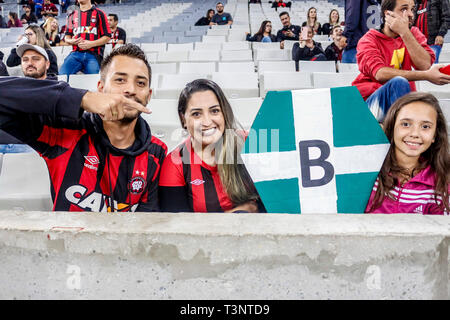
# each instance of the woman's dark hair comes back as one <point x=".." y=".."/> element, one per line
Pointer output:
<point x="262" y="28"/>
<point x="13" y="15"/>
<point x="386" y="5"/>
<point x="207" y="13"/>
<point x="437" y="156"/>
<point x="329" y="17"/>
<point x="234" y="176"/>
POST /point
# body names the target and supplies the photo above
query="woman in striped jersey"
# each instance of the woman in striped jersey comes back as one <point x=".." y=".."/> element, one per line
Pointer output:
<point x="205" y="173"/>
<point x="415" y="177"/>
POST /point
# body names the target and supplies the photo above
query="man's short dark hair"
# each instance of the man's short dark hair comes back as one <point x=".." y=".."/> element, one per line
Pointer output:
<point x="283" y="13"/>
<point x="387" y="5"/>
<point x="115" y="17"/>
<point x="129" y="50"/>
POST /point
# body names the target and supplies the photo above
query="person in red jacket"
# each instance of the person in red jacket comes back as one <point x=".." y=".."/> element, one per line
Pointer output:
<point x="386" y="58"/>
<point x="415" y="176"/>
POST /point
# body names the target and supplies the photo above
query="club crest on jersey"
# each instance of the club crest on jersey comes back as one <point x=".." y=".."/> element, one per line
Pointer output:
<point x="197" y="182"/>
<point x="136" y="185"/>
<point x="91" y="162"/>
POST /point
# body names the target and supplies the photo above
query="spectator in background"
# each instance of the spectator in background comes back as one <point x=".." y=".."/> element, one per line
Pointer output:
<point x="334" y="51"/>
<point x="3" y="23"/>
<point x="281" y="4"/>
<point x="118" y="35"/>
<point x="49" y="9"/>
<point x="28" y="17"/>
<point x="64" y="5"/>
<point x="205" y="21"/>
<point x="87" y="31"/>
<point x="13" y="21"/>
<point x="34" y="35"/>
<point x="289" y="31"/>
<point x="386" y="58"/>
<point x="360" y="16"/>
<point x="221" y="17"/>
<point x="51" y="30"/>
<point x="307" y="49"/>
<point x="311" y="21"/>
<point x="431" y="16"/>
<point x="35" y="63"/>
<point x="38" y="4"/>
<point x="333" y="20"/>
<point x="264" y="33"/>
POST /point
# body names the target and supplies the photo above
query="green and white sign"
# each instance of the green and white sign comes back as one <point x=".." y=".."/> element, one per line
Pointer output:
<point x="315" y="151"/>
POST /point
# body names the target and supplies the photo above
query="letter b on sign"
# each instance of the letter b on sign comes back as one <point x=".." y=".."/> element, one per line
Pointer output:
<point x="306" y="163"/>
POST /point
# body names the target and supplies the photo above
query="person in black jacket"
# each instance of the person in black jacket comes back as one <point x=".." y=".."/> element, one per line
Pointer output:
<point x="35" y="36"/>
<point x="204" y="21"/>
<point x="307" y="49"/>
<point x="334" y="51"/>
<point x="289" y="31"/>
<point x="3" y="69"/>
<point x="264" y="33"/>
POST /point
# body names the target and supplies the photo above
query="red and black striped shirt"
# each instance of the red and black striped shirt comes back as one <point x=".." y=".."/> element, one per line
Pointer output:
<point x="422" y="18"/>
<point x="86" y="172"/>
<point x="188" y="184"/>
<point x="89" y="25"/>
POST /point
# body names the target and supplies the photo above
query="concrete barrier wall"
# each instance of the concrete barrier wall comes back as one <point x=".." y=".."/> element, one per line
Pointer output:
<point x="223" y="256"/>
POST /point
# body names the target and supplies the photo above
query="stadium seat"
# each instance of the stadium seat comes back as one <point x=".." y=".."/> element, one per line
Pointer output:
<point x="180" y="46"/>
<point x="245" y="110"/>
<point x="237" y="85"/>
<point x="62" y="77"/>
<point x="84" y="81"/>
<point x="197" y="67"/>
<point x="154" y="47"/>
<point x="204" y="55"/>
<point x="333" y="79"/>
<point x="317" y="66"/>
<point x="24" y="183"/>
<point x="236" y="55"/>
<point x="214" y="39"/>
<point x="217" y="32"/>
<point x="173" y="56"/>
<point x="276" y="66"/>
<point x="440" y="92"/>
<point x="170" y="85"/>
<point x="279" y="81"/>
<point x="168" y="68"/>
<point x="207" y="46"/>
<point x="444" y="57"/>
<point x="348" y="67"/>
<point x="164" y="121"/>
<point x="271" y="54"/>
<point x="236" y="45"/>
<point x="240" y="66"/>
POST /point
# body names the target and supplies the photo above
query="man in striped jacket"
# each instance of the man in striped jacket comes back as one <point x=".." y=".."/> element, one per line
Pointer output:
<point x="104" y="159"/>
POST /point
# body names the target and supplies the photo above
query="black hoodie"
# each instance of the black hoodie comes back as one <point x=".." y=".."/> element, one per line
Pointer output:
<point x="87" y="173"/>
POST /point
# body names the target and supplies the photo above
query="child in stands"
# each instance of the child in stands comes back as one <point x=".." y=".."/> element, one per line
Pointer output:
<point x="415" y="177"/>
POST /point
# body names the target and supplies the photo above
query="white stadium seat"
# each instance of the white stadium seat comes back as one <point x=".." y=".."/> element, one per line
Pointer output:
<point x="237" y="85"/>
<point x="279" y="81"/>
<point x="317" y="66"/>
<point x="170" y="85"/>
<point x="84" y="81"/>
<point x="332" y="79"/>
<point x="197" y="67"/>
<point x="237" y="66"/>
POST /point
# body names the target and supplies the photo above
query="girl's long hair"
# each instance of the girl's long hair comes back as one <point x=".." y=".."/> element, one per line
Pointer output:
<point x="437" y="155"/>
<point x="308" y="19"/>
<point x="329" y="17"/>
<point x="41" y="40"/>
<point x="233" y="174"/>
<point x="51" y="35"/>
<point x="262" y="28"/>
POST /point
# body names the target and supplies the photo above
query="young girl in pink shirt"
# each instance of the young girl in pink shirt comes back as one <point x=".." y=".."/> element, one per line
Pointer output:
<point x="415" y="177"/>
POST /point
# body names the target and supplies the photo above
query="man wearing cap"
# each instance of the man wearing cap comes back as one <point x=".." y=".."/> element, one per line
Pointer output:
<point x="28" y="17"/>
<point x="35" y="63"/>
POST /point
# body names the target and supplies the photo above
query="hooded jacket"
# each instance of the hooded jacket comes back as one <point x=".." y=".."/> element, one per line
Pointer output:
<point x="376" y="50"/>
<point x="415" y="196"/>
<point x="87" y="173"/>
<point x="360" y="16"/>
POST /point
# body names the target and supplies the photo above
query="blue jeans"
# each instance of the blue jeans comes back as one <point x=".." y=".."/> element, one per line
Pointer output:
<point x="349" y="56"/>
<point x="65" y="5"/>
<point x="15" y="148"/>
<point x="80" y="61"/>
<point x="382" y="99"/>
<point x="437" y="51"/>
